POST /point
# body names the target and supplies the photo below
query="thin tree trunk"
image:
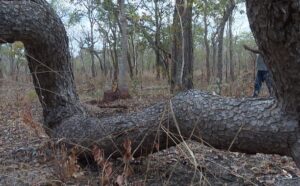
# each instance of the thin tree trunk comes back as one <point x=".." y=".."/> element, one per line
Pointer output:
<point x="1" y="71"/>
<point x="231" y="59"/>
<point x="229" y="8"/>
<point x="157" y="40"/>
<point x="91" y="50"/>
<point x="206" y="43"/>
<point x="104" y="57"/>
<point x="214" y="52"/>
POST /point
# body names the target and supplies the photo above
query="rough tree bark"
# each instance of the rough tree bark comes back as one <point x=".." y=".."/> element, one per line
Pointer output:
<point x="46" y="43"/>
<point x="182" y="47"/>
<point x="123" y="63"/>
<point x="275" y="25"/>
<point x="257" y="125"/>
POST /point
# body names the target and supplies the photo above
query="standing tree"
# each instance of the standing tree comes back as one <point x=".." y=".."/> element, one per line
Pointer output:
<point x="90" y="12"/>
<point x="227" y="13"/>
<point x="231" y="63"/>
<point x="255" y="125"/>
<point x="206" y="42"/>
<point x="123" y="79"/>
<point x="182" y="49"/>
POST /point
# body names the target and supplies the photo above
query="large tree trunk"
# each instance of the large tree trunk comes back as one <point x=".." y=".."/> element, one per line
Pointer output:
<point x="46" y="43"/>
<point x="275" y="26"/>
<point x="258" y="125"/>
<point x="278" y="41"/>
<point x="247" y="125"/>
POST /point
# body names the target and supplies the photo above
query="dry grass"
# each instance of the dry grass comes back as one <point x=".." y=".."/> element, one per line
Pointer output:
<point x="189" y="162"/>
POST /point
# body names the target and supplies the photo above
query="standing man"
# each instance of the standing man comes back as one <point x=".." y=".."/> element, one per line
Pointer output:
<point x="262" y="73"/>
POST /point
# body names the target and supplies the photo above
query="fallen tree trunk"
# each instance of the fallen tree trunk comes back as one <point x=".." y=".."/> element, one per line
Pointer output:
<point x="247" y="125"/>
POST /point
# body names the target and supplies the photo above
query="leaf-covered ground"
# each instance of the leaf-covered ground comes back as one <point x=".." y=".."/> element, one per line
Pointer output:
<point x="29" y="157"/>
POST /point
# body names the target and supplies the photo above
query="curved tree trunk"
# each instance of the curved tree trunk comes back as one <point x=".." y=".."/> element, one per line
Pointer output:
<point x="248" y="125"/>
<point x="47" y="51"/>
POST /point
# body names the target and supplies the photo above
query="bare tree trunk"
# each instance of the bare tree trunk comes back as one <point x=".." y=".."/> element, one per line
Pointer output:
<point x="157" y="40"/>
<point x="279" y="45"/>
<point x="182" y="51"/>
<point x="231" y="62"/>
<point x="123" y="63"/>
<point x="206" y="42"/>
<point x="1" y="71"/>
<point x="229" y="8"/>
<point x="104" y="57"/>
<point x="55" y="86"/>
<point x="91" y="50"/>
<point x="130" y="65"/>
<point x="214" y="51"/>
<point x="93" y="68"/>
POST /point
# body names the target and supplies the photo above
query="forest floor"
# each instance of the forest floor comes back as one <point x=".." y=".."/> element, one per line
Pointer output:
<point x="29" y="157"/>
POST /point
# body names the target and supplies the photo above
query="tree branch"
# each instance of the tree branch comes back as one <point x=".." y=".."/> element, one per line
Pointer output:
<point x="251" y="49"/>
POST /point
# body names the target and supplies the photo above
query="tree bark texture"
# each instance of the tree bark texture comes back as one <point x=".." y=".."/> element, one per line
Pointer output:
<point x="247" y="125"/>
<point x="275" y="25"/>
<point x="259" y="125"/>
<point x="182" y="49"/>
<point x="46" y="43"/>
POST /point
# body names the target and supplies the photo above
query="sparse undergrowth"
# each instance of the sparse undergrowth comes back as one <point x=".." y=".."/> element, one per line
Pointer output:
<point x="29" y="157"/>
